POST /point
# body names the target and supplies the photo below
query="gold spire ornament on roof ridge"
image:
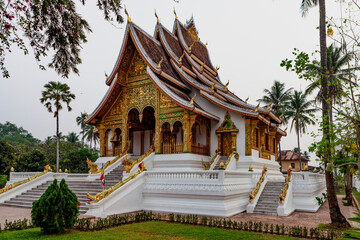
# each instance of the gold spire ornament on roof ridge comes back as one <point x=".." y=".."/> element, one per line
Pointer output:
<point x="157" y="18"/>
<point x="268" y="106"/>
<point x="128" y="16"/>
<point x="192" y="100"/>
<point x="206" y="44"/>
<point x="227" y="84"/>
<point x="181" y="57"/>
<point x="176" y="17"/>
<point x="257" y="107"/>
<point x="217" y="69"/>
<point x="159" y="64"/>
<point x="107" y="77"/>
<point x="246" y="99"/>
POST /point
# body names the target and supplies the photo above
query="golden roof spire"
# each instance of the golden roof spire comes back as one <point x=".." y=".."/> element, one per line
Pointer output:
<point x="192" y="100"/>
<point x="257" y="107"/>
<point x="246" y="99"/>
<point x="175" y="14"/>
<point x="128" y="17"/>
<point x="106" y="75"/>
<point x="227" y="84"/>
<point x="159" y="64"/>
<point x="217" y="69"/>
<point x="180" y="59"/>
<point x="206" y="44"/>
<point x="157" y="18"/>
<point x="268" y="106"/>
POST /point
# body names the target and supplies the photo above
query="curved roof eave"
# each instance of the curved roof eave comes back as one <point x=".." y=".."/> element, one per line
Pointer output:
<point x="120" y="56"/>
<point x="175" y="98"/>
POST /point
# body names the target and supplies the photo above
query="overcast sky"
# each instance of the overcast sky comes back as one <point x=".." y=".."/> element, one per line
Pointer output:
<point x="247" y="38"/>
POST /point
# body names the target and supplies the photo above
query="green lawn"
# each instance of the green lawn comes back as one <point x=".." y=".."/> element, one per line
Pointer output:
<point x="146" y="230"/>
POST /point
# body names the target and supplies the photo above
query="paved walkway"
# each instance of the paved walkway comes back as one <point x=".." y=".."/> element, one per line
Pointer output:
<point x="297" y="218"/>
<point x="301" y="218"/>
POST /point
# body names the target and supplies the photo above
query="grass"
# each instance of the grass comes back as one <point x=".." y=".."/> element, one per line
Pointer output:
<point x="145" y="230"/>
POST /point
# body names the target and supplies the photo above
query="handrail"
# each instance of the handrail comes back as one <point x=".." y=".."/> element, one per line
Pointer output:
<point x="94" y="167"/>
<point x="282" y="195"/>
<point x="211" y="162"/>
<point x="13" y="185"/>
<point x="110" y="190"/>
<point x="128" y="168"/>
<point x="229" y="158"/>
<point x="255" y="191"/>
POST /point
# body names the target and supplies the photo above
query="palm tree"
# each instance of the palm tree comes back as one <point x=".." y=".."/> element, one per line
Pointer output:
<point x="335" y="213"/>
<point x="299" y="111"/>
<point x="72" y="137"/>
<point x="81" y="121"/>
<point x="54" y="94"/>
<point x="278" y="97"/>
<point x="88" y="133"/>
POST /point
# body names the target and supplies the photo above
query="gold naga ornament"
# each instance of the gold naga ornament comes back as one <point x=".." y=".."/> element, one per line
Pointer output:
<point x="157" y="18"/>
<point x="246" y="99"/>
<point x="181" y="57"/>
<point x="106" y="76"/>
<point x="217" y="69"/>
<point x="128" y="16"/>
<point x="257" y="108"/>
<point x="159" y="64"/>
<point x="227" y="84"/>
<point x="268" y="106"/>
<point x="192" y="100"/>
<point x="176" y="17"/>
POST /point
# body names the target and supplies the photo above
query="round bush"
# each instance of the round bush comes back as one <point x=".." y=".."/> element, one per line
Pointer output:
<point x="56" y="210"/>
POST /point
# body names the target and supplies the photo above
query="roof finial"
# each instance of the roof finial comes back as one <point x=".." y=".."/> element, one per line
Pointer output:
<point x="157" y="18"/>
<point x="159" y="64"/>
<point x="281" y="116"/>
<point x="176" y="18"/>
<point x="257" y="108"/>
<point x="206" y="44"/>
<point x="246" y="99"/>
<point x="213" y="87"/>
<point x="285" y="129"/>
<point x="217" y="69"/>
<point x="227" y="84"/>
<point x="106" y="75"/>
<point x="268" y="106"/>
<point x="191" y="45"/>
<point x="192" y="100"/>
<point x="180" y="59"/>
<point x="128" y="17"/>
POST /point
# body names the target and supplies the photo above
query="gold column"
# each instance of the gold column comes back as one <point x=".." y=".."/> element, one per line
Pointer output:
<point x="248" y="136"/>
<point x="101" y="129"/>
<point x="187" y="132"/>
<point x="158" y="137"/>
<point x="219" y="142"/>
<point x="233" y="141"/>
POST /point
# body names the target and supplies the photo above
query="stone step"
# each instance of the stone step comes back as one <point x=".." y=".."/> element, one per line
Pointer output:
<point x="265" y="213"/>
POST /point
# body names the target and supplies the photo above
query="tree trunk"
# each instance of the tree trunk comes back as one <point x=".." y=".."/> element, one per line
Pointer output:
<point x="335" y="213"/>
<point x="348" y="187"/>
<point x="298" y="140"/>
<point x="280" y="157"/>
<point x="57" y="141"/>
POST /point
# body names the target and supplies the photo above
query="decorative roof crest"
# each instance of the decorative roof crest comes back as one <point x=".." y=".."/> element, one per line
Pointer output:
<point x="227" y="84"/>
<point x="246" y="99"/>
<point x="157" y="18"/>
<point x="176" y="17"/>
<point x="159" y="64"/>
<point x="128" y="16"/>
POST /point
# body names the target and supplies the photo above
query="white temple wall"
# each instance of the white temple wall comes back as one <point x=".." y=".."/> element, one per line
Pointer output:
<point x="146" y="140"/>
<point x="137" y="143"/>
<point x="238" y="120"/>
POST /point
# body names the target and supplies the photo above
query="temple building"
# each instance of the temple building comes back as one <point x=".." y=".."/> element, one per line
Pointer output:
<point x="164" y="91"/>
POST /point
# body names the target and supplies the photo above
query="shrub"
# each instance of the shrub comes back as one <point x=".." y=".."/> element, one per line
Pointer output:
<point x="56" y="210"/>
<point x="3" y="180"/>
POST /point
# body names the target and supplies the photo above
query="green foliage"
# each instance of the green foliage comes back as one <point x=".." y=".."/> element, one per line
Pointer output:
<point x="76" y="160"/>
<point x="7" y="156"/>
<point x="17" y="225"/>
<point x="16" y="135"/>
<point x="56" y="210"/>
<point x="32" y="161"/>
<point x="320" y="201"/>
<point x="3" y="180"/>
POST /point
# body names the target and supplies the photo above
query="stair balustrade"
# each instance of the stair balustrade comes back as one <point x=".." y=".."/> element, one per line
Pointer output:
<point x="284" y="190"/>
<point x="13" y="185"/>
<point x="255" y="191"/>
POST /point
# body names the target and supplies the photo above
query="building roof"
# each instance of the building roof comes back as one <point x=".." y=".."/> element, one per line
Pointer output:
<point x="289" y="155"/>
<point x="177" y="63"/>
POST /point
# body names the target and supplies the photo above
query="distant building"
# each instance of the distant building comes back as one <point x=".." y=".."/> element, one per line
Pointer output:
<point x="289" y="157"/>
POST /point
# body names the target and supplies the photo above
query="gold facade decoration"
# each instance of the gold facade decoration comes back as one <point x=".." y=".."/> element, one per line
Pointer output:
<point x="165" y="102"/>
<point x="141" y="97"/>
<point x="137" y="66"/>
<point x="227" y="133"/>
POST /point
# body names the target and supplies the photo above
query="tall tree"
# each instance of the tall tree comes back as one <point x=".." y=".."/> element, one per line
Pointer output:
<point x="335" y="213"/>
<point x="278" y="97"/>
<point x="54" y="94"/>
<point x="51" y="27"/>
<point x="299" y="113"/>
<point x="81" y="121"/>
<point x="72" y="137"/>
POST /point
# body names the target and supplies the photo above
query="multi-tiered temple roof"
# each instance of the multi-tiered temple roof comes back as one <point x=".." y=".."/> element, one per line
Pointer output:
<point x="178" y="63"/>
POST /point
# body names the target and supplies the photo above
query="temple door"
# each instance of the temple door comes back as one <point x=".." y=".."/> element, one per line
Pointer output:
<point x="226" y="144"/>
<point x="166" y="142"/>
